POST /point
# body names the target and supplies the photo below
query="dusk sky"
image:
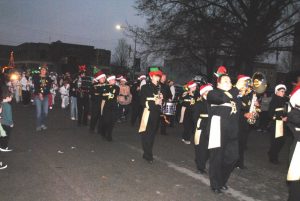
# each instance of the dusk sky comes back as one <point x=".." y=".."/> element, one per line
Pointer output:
<point x="88" y="22"/>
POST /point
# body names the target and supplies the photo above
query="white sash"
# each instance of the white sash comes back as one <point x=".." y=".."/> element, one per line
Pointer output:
<point x="294" y="169"/>
<point x="197" y="133"/>
<point x="182" y="114"/>
<point x="215" y="132"/>
<point x="279" y="129"/>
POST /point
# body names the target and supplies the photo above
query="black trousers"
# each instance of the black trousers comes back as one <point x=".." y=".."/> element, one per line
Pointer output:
<point x="148" y="136"/>
<point x="83" y="109"/>
<point x="4" y="140"/>
<point x="201" y="152"/>
<point x="108" y="120"/>
<point x="164" y="124"/>
<point x="294" y="191"/>
<point x="276" y="144"/>
<point x="136" y="112"/>
<point x="243" y="139"/>
<point x="222" y="161"/>
<point x="25" y="97"/>
<point x="188" y="126"/>
<point x="95" y="114"/>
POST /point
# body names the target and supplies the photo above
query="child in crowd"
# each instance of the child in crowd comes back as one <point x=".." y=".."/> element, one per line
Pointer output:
<point x="6" y="119"/>
<point x="64" y="92"/>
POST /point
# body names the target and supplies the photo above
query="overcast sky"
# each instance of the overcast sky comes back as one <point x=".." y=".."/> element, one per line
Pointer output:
<point x="89" y="22"/>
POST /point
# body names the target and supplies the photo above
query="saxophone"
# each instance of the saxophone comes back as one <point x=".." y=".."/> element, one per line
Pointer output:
<point x="258" y="85"/>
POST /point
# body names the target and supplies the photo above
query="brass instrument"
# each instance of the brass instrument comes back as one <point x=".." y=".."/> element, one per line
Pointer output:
<point x="258" y="86"/>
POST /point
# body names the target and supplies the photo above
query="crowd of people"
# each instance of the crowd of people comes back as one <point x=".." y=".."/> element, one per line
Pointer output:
<point x="216" y="117"/>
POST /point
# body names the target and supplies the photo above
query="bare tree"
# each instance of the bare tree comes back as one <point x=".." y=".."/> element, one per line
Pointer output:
<point x="202" y="31"/>
<point x="121" y="54"/>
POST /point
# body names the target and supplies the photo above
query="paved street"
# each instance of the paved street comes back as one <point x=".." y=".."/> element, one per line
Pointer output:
<point x="67" y="163"/>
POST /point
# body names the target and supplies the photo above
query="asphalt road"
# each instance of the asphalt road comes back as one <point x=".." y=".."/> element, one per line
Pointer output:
<point x="67" y="162"/>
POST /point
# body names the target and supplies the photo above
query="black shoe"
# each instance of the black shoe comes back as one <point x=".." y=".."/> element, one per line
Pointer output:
<point x="224" y="188"/>
<point x="150" y="161"/>
<point x="202" y="171"/>
<point x="216" y="190"/>
<point x="241" y="167"/>
<point x="91" y="131"/>
<point x="274" y="161"/>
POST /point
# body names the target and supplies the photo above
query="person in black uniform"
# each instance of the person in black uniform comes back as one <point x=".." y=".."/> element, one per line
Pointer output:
<point x="277" y="118"/>
<point x="187" y="112"/>
<point x="167" y="95"/>
<point x="109" y="108"/>
<point x="223" y="132"/>
<point x="96" y="98"/>
<point x="200" y="116"/>
<point x="293" y="122"/>
<point x="151" y="101"/>
<point x="83" y="88"/>
<point x="137" y="108"/>
<point x="244" y="127"/>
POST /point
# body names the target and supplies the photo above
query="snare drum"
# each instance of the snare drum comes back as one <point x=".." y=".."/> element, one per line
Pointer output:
<point x="169" y="108"/>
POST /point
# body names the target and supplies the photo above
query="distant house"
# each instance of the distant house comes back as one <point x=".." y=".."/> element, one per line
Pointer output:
<point x="58" y="56"/>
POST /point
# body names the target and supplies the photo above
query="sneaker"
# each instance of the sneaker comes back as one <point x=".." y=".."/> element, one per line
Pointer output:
<point x="43" y="127"/>
<point x="2" y="166"/>
<point x="73" y="118"/>
<point x="5" y="150"/>
<point x="38" y="129"/>
<point x="50" y="107"/>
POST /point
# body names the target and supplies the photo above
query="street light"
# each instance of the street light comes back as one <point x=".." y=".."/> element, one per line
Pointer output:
<point x="120" y="27"/>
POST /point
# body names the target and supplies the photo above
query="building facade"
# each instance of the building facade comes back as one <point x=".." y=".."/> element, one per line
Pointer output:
<point x="58" y="56"/>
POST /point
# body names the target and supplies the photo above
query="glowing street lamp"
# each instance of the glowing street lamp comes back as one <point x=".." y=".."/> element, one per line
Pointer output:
<point x="120" y="27"/>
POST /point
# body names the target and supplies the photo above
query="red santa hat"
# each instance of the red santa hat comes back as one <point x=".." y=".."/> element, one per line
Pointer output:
<point x="204" y="88"/>
<point x="221" y="71"/>
<point x="280" y="86"/>
<point x="295" y="96"/>
<point x="243" y="78"/>
<point x="119" y="77"/>
<point x="191" y="84"/>
<point x="142" y="77"/>
<point x="111" y="77"/>
<point x="99" y="75"/>
<point x="123" y="79"/>
<point x="155" y="71"/>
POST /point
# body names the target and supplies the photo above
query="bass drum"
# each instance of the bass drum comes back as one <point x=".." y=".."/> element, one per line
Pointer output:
<point x="169" y="108"/>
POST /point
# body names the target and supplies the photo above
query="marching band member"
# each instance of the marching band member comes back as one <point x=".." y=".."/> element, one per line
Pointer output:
<point x="151" y="100"/>
<point x="293" y="176"/>
<point x="278" y="118"/>
<point x="109" y="108"/>
<point x="187" y="112"/>
<point x="245" y="103"/>
<point x="83" y="87"/>
<point x="167" y="95"/>
<point x="143" y="81"/>
<point x="136" y="108"/>
<point x="223" y="134"/>
<point x="201" y="132"/>
<point x="96" y="99"/>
